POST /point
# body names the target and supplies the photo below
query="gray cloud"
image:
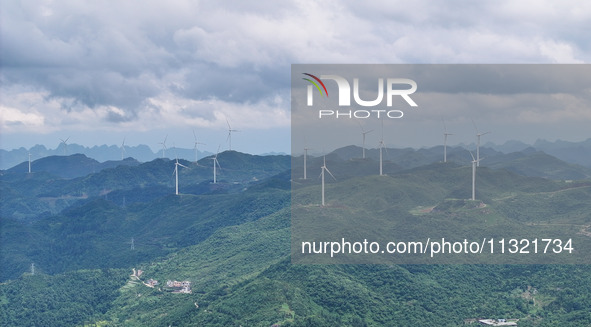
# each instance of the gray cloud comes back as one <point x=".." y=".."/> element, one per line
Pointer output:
<point x="146" y="56"/>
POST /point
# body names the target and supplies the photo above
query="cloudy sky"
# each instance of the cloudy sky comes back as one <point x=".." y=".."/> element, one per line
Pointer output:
<point x="522" y="102"/>
<point x="99" y="71"/>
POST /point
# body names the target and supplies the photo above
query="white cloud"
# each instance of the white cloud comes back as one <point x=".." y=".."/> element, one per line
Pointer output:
<point x="14" y="119"/>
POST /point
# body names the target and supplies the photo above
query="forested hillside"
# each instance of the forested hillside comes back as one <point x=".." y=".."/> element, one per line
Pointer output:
<point x="105" y="261"/>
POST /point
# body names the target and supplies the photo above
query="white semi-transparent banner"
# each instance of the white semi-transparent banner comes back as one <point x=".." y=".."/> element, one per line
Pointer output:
<point x="436" y="164"/>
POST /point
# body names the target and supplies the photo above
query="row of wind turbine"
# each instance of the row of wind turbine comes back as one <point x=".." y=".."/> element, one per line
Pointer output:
<point x="475" y="161"/>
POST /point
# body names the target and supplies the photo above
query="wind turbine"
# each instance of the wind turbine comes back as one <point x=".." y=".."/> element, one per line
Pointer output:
<point x="230" y="130"/>
<point x="215" y="162"/>
<point x="363" y="132"/>
<point x="196" y="143"/>
<point x="65" y="143"/>
<point x="445" y="134"/>
<point x="176" y="172"/>
<point x="305" y="162"/>
<point x="381" y="148"/>
<point x="29" y="162"/>
<point x="478" y="135"/>
<point x="164" y="145"/>
<point x="322" y="175"/>
<point x="123" y="149"/>
<point x="474" y="164"/>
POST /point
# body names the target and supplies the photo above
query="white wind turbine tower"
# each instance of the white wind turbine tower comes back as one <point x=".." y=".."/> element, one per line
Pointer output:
<point x="195" y="145"/>
<point x="215" y="163"/>
<point x="65" y="143"/>
<point x="29" y="162"/>
<point x="164" y="145"/>
<point x="230" y="130"/>
<point x="123" y="152"/>
<point x="363" y="132"/>
<point x="305" y="162"/>
<point x="176" y="172"/>
<point x="474" y="163"/>
<point x="478" y="135"/>
<point x="322" y="175"/>
<point x="445" y="134"/>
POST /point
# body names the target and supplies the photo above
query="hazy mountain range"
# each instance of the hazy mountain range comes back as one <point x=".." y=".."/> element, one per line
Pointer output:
<point x="142" y="153"/>
<point x="573" y="152"/>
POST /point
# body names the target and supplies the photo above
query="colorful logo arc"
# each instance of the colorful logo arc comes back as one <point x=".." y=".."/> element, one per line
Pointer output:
<point x="315" y="84"/>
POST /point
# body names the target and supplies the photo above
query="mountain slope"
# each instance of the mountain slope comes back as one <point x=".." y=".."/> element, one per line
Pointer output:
<point x="32" y="196"/>
<point x="234" y="247"/>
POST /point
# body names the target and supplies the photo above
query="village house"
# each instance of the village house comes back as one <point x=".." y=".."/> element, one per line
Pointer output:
<point x="179" y="287"/>
<point x="499" y="322"/>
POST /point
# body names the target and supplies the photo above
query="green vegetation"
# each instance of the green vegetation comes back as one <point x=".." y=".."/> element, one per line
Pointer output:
<point x="67" y="299"/>
<point x="31" y="197"/>
<point x="98" y="234"/>
<point x="232" y="242"/>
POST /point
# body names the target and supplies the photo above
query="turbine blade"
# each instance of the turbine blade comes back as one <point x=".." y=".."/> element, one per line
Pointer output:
<point x="330" y="173"/>
<point x="472" y="156"/>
